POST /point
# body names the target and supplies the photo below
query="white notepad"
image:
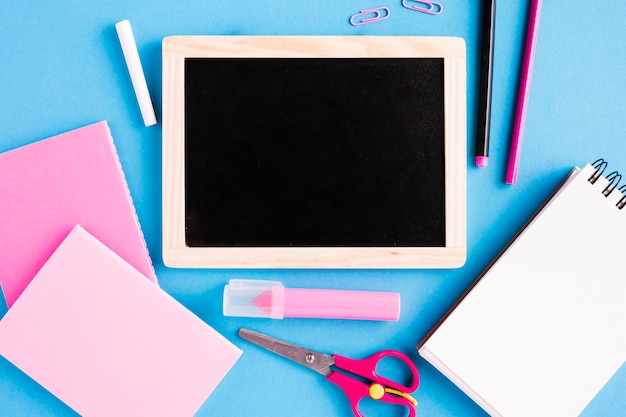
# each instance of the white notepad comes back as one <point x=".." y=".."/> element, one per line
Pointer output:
<point x="544" y="328"/>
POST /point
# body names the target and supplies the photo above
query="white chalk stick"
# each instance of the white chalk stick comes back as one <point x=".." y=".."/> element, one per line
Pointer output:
<point x="131" y="56"/>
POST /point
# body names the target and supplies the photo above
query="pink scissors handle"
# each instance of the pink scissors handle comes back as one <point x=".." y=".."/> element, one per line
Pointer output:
<point x="367" y="369"/>
<point x="356" y="390"/>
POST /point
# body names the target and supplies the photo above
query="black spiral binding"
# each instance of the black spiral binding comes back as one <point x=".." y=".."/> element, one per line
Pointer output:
<point x="613" y="178"/>
<point x="622" y="202"/>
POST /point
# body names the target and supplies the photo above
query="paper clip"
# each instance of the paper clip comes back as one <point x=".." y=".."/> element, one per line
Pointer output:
<point x="425" y="6"/>
<point x="378" y="16"/>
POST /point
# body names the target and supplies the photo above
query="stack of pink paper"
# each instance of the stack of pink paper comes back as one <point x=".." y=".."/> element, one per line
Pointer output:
<point x="89" y="326"/>
<point x="102" y="338"/>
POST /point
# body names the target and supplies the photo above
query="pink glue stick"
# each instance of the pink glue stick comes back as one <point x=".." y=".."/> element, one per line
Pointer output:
<point x="270" y="299"/>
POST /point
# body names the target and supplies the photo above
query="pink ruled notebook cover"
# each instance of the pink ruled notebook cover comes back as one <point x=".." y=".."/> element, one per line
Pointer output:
<point x="107" y="342"/>
<point x="48" y="187"/>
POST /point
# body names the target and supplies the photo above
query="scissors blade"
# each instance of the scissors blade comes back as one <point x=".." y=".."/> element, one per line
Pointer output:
<point x="319" y="362"/>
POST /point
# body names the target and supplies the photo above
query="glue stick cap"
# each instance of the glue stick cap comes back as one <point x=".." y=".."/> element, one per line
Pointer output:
<point x="242" y="297"/>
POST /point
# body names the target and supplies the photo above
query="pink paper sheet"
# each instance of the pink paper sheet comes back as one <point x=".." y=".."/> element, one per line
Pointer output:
<point x="48" y="187"/>
<point x="106" y="341"/>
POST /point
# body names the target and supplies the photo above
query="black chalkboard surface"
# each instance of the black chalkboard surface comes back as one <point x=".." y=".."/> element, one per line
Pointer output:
<point x="314" y="152"/>
<point x="296" y="158"/>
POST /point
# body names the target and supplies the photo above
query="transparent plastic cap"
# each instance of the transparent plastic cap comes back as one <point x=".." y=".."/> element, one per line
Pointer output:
<point x="254" y="298"/>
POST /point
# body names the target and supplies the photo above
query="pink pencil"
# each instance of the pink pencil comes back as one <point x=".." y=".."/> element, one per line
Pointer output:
<point x="524" y="91"/>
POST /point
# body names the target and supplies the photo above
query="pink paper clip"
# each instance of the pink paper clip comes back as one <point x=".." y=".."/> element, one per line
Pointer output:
<point x="425" y="6"/>
<point x="379" y="15"/>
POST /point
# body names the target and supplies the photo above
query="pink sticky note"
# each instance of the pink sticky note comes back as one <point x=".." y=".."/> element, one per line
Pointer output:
<point x="48" y="187"/>
<point x="106" y="341"/>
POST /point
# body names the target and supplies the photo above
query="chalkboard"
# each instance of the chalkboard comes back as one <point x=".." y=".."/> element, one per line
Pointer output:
<point x="297" y="152"/>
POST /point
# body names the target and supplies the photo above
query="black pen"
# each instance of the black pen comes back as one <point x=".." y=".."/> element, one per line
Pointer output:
<point x="484" y="91"/>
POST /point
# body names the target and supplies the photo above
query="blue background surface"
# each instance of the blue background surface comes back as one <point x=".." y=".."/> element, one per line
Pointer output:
<point x="61" y="67"/>
<point x="3" y="304"/>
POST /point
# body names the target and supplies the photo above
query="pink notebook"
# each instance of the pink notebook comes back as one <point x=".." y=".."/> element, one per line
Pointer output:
<point x="106" y="341"/>
<point x="48" y="187"/>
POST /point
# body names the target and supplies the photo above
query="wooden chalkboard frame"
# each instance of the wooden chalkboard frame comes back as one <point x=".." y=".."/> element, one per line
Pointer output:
<point x="175" y="251"/>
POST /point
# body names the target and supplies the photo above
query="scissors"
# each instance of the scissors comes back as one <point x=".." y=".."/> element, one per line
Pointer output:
<point x="379" y="388"/>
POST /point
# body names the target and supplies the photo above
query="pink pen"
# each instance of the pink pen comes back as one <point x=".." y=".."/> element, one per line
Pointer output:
<point x="270" y="299"/>
<point x="524" y="91"/>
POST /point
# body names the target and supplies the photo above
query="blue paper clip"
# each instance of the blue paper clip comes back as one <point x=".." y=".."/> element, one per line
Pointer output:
<point x="378" y="16"/>
<point x="425" y="6"/>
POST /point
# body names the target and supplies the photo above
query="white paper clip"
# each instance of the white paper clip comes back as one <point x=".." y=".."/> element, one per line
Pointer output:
<point x="425" y="6"/>
<point x="380" y="13"/>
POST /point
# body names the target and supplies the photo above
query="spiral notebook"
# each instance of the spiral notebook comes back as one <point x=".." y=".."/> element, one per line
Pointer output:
<point x="542" y="330"/>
